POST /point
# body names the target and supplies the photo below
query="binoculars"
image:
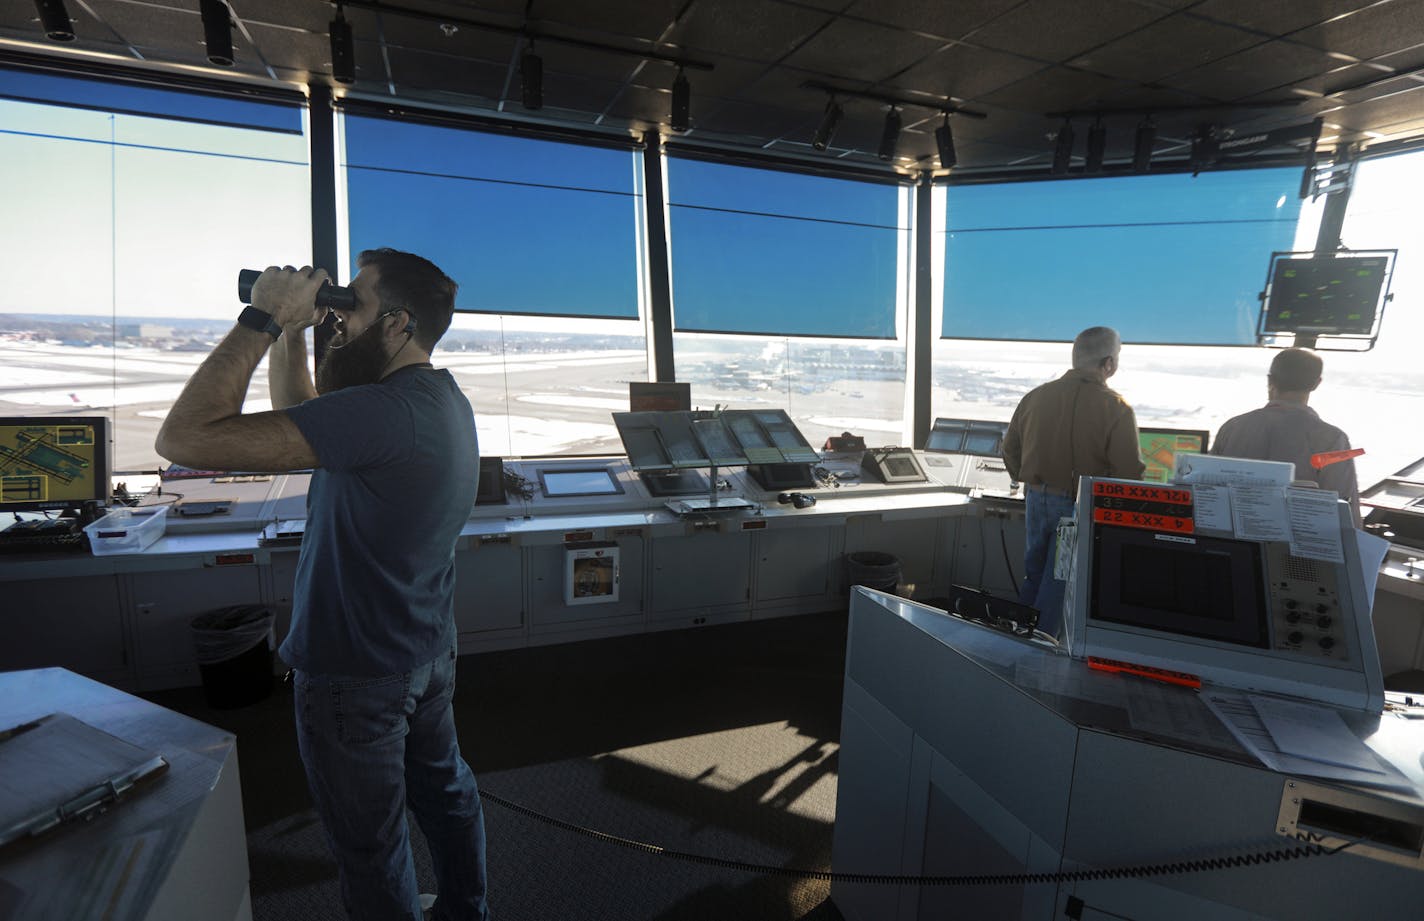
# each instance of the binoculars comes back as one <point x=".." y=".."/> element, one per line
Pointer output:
<point x="328" y="295"/>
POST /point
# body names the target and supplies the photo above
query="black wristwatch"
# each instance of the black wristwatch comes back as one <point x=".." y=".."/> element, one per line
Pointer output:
<point x="259" y="320"/>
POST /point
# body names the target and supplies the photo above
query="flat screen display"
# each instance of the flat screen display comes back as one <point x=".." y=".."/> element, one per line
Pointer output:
<point x="1205" y="587"/>
<point x="596" y="481"/>
<point x="979" y="437"/>
<point x="53" y="462"/>
<point x="1325" y="294"/>
<point x="1159" y="448"/>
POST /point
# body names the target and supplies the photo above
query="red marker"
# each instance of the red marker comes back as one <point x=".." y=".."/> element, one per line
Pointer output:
<point x="1144" y="671"/>
<point x="1326" y="458"/>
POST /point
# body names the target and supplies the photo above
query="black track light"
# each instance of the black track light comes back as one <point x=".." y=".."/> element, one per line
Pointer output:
<point x="55" y="20"/>
<point x="827" y="129"/>
<point x="1206" y="147"/>
<point x="1142" y="144"/>
<point x="891" y="135"/>
<point x="531" y="78"/>
<point x="217" y="31"/>
<point x="944" y="140"/>
<point x="343" y="52"/>
<point x="681" y="116"/>
<point x="1097" y="147"/>
<point x="1063" y="149"/>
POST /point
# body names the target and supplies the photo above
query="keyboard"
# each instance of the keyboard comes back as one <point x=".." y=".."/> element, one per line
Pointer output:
<point x="44" y="536"/>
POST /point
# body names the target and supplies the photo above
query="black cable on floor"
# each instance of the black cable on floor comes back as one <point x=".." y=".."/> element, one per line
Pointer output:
<point x="1170" y="868"/>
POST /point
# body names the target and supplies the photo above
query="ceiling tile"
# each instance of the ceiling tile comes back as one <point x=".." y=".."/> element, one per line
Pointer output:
<point x="154" y="27"/>
<point x="437" y="71"/>
<point x="751" y="29"/>
<point x="965" y="72"/>
<point x="1166" y="47"/>
<point x="1054" y="31"/>
<point x="862" y="51"/>
<point x="293" y="49"/>
<point x="1055" y="89"/>
<point x="1371" y="32"/>
<point x="1265" y="67"/>
<point x="310" y="17"/>
<point x="1277" y="17"/>
<point x="645" y="20"/>
<point x="935" y="17"/>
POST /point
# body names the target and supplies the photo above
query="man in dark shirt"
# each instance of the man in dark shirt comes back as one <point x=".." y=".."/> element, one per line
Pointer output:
<point x="1074" y="426"/>
<point x="372" y="641"/>
<point x="1287" y="429"/>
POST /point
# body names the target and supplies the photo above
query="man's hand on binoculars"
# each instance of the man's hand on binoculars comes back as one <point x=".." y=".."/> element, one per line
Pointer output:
<point x="289" y="295"/>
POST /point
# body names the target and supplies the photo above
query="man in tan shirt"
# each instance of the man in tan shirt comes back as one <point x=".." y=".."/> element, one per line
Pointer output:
<point x="1071" y="427"/>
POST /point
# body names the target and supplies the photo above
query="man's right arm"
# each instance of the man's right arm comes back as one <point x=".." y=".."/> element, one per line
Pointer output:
<point x="1124" y="449"/>
<point x="1012" y="449"/>
<point x="288" y="379"/>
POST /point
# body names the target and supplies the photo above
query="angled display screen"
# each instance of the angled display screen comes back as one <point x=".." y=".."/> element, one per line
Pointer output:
<point x="1325" y="294"/>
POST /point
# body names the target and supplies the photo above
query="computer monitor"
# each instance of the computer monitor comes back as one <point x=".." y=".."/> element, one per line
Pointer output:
<point x="54" y="462"/>
<point x="588" y="481"/>
<point x="1159" y="448"/>
<point x="1325" y="293"/>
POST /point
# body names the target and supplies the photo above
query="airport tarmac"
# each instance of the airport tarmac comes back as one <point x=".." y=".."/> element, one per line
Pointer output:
<point x="560" y="401"/>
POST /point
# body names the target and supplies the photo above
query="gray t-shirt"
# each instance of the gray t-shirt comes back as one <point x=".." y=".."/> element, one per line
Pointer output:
<point x="1282" y="431"/>
<point x="375" y="583"/>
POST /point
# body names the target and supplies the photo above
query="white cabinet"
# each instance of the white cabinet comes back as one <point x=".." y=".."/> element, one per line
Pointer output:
<point x="703" y="577"/>
<point x="796" y="570"/>
<point x="163" y="603"/>
<point x="489" y="589"/>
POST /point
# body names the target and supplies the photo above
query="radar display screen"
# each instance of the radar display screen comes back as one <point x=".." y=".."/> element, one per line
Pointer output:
<point x="1325" y="294"/>
<point x="49" y="463"/>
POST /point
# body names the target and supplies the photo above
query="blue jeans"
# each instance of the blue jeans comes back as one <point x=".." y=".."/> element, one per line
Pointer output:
<point x="370" y="747"/>
<point x="1041" y="513"/>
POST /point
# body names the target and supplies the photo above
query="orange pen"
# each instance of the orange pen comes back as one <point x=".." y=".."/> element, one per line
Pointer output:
<point x="1326" y="458"/>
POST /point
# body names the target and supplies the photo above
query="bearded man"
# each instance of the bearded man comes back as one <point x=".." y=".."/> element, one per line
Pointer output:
<point x="391" y="441"/>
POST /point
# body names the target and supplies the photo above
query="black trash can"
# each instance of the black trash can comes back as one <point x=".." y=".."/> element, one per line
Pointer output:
<point x="880" y="571"/>
<point x="234" y="652"/>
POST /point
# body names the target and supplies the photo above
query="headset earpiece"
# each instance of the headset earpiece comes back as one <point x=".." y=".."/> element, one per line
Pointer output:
<point x="409" y="329"/>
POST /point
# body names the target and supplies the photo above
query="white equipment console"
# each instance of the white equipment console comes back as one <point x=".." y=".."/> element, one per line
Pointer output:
<point x="1160" y="580"/>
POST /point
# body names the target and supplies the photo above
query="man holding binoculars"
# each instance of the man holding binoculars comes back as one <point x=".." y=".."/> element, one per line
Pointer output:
<point x="392" y="443"/>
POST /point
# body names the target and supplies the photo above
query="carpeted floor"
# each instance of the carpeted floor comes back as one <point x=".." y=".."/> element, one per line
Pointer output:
<point x="720" y="742"/>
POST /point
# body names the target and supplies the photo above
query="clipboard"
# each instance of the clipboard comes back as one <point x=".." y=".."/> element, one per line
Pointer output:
<point x="58" y="769"/>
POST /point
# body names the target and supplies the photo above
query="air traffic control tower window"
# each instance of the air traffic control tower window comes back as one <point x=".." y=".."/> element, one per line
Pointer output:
<point x="547" y="242"/>
<point x="791" y="290"/>
<point x="1173" y="262"/>
<point x="128" y="212"/>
